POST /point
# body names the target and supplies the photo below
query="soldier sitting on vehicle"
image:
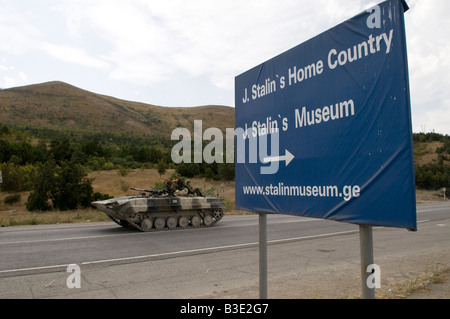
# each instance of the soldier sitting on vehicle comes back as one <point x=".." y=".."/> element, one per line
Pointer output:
<point x="169" y="188"/>
<point x="179" y="183"/>
<point x="192" y="191"/>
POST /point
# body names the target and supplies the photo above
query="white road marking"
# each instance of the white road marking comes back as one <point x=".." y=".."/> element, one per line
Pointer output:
<point x="182" y="252"/>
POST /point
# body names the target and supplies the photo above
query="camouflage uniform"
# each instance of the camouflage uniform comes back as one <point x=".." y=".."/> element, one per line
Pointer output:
<point x="169" y="188"/>
<point x="192" y="191"/>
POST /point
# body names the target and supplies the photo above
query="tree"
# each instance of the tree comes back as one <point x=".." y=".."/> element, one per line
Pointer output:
<point x="17" y="178"/>
<point x="61" y="150"/>
<point x="188" y="169"/>
<point x="66" y="186"/>
<point x="226" y="171"/>
<point x="162" y="166"/>
<point x="71" y="187"/>
<point x="43" y="183"/>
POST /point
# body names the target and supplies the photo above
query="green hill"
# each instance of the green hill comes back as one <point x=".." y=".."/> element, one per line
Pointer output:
<point x="432" y="160"/>
<point x="61" y="105"/>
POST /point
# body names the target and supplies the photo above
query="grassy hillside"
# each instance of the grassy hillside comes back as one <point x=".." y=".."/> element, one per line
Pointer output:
<point x="55" y="106"/>
<point x="426" y="152"/>
<point x="61" y="105"/>
<point x="432" y="161"/>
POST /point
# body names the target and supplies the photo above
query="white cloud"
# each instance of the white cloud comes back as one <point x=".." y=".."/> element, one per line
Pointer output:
<point x="8" y="82"/>
<point x="73" y="55"/>
<point x="434" y="119"/>
<point x="427" y="26"/>
<point x="10" y="77"/>
<point x="151" y="41"/>
<point x="23" y="77"/>
<point x="17" y="34"/>
<point x="147" y="45"/>
<point x="72" y="12"/>
<point x="146" y="42"/>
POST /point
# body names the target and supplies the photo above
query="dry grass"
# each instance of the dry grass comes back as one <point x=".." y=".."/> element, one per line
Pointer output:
<point x="428" y="196"/>
<point x="15" y="218"/>
<point x="344" y="282"/>
<point x="425" y="153"/>
<point x="434" y="273"/>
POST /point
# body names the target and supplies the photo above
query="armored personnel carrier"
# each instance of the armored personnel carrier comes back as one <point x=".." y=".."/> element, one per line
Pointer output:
<point x="155" y="210"/>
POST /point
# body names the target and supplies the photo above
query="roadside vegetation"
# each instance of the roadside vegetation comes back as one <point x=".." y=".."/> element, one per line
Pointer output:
<point x="52" y="175"/>
<point x="53" y="164"/>
<point x="432" y="160"/>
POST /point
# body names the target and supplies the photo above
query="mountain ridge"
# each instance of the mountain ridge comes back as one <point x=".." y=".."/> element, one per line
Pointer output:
<point x="57" y="104"/>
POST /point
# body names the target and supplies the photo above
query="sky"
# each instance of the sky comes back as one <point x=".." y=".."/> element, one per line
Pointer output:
<point x="187" y="53"/>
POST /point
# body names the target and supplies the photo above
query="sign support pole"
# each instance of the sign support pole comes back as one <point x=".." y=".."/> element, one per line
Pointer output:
<point x="366" y="247"/>
<point x="263" y="256"/>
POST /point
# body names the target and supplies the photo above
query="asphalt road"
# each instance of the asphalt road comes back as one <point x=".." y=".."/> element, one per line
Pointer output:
<point x="118" y="262"/>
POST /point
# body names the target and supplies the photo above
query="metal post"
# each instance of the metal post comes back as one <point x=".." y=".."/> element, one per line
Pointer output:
<point x="263" y="256"/>
<point x="366" y="247"/>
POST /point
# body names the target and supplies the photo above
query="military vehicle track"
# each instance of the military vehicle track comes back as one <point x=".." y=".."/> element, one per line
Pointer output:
<point x="217" y="216"/>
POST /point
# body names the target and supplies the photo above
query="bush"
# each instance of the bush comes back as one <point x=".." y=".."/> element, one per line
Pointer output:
<point x="12" y="199"/>
<point x="123" y="171"/>
<point x="100" y="196"/>
<point x="124" y="186"/>
<point x="108" y="166"/>
<point x="188" y="169"/>
<point x="37" y="202"/>
<point x="226" y="171"/>
<point x="66" y="186"/>
<point x="71" y="187"/>
<point x="432" y="176"/>
<point x="17" y="178"/>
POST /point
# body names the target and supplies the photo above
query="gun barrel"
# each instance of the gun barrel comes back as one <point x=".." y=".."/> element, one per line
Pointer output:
<point x="142" y="190"/>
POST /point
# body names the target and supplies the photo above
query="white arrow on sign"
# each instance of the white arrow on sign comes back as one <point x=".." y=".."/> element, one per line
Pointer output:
<point x="288" y="157"/>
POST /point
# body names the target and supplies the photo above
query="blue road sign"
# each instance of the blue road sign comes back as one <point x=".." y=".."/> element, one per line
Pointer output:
<point x="324" y="129"/>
